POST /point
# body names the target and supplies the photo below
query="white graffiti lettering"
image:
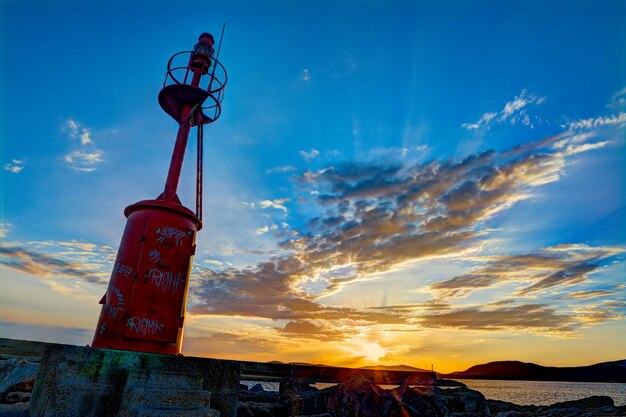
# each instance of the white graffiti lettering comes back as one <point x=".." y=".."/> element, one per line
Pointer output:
<point x="112" y="308"/>
<point x="145" y="326"/>
<point x="122" y="269"/>
<point x="155" y="256"/>
<point x="168" y="233"/>
<point x="167" y="281"/>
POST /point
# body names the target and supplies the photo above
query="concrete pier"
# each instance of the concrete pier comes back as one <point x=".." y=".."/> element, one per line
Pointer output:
<point x="85" y="381"/>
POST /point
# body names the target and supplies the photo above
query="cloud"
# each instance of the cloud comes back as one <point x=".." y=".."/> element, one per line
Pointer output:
<point x="278" y="204"/>
<point x="431" y="305"/>
<point x="83" y="161"/>
<point x="560" y="266"/>
<point x="573" y="140"/>
<point x="376" y="217"/>
<point x="72" y="126"/>
<point x="40" y="264"/>
<point x="307" y="329"/>
<point x="281" y="169"/>
<point x="533" y="317"/>
<point x="515" y="106"/>
<point x="265" y="291"/>
<point x="594" y="122"/>
<point x="15" y="166"/>
<point x="5" y="228"/>
<point x="275" y="204"/>
<point x="216" y="262"/>
<point x="513" y="112"/>
<point x="309" y="156"/>
<point x="85" y="156"/>
<point x="262" y="230"/>
<point x="618" y="99"/>
<point x="76" y="131"/>
<point x="272" y="227"/>
<point x="63" y="265"/>
<point x="484" y="120"/>
<point x="586" y="295"/>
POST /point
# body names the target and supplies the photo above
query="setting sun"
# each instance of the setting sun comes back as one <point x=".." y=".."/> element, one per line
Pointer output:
<point x="373" y="351"/>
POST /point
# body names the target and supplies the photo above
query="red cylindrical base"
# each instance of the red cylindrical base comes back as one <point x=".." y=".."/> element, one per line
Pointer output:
<point x="144" y="306"/>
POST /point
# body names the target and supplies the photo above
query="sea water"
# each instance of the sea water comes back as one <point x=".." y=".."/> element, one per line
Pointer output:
<point x="545" y="392"/>
<point x="520" y="392"/>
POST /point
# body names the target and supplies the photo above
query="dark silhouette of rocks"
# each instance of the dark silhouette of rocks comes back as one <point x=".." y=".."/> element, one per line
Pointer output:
<point x="448" y="383"/>
<point x="595" y="406"/>
<point x="360" y="397"/>
<point x="363" y="398"/>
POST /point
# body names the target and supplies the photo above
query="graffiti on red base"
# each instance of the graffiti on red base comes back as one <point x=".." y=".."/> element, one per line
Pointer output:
<point x="155" y="256"/>
<point x="122" y="269"/>
<point x="145" y="326"/>
<point x="167" y="281"/>
<point x="112" y="308"/>
<point x="168" y="233"/>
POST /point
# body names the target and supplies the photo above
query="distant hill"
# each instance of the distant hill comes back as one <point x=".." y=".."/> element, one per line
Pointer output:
<point x="601" y="372"/>
<point x="394" y="368"/>
<point x="621" y="363"/>
<point x="614" y="371"/>
<point x="300" y="364"/>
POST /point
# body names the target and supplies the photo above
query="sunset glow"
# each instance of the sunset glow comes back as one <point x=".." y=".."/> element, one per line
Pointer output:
<point x="389" y="183"/>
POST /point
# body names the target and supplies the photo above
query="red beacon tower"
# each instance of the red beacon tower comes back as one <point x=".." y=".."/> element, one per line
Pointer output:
<point x="144" y="306"/>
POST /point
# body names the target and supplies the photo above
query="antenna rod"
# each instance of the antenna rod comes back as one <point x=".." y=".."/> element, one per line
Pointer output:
<point x="219" y="46"/>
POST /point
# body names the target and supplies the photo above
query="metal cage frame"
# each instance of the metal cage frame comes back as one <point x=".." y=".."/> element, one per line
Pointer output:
<point x="216" y="94"/>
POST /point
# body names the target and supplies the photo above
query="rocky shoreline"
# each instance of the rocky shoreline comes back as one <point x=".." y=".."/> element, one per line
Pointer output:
<point x="357" y="397"/>
<point x="362" y="398"/>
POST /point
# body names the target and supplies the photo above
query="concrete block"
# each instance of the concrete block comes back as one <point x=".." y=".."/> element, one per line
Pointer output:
<point x="66" y="400"/>
<point x="83" y="381"/>
<point x="150" y="378"/>
<point x="14" y="410"/>
<point x="168" y="399"/>
<point x="176" y="413"/>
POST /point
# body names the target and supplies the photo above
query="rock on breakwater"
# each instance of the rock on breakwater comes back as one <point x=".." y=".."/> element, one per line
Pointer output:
<point x="17" y="377"/>
<point x="360" y="397"/>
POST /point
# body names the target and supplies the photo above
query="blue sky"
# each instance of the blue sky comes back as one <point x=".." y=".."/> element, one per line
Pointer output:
<point x="382" y="175"/>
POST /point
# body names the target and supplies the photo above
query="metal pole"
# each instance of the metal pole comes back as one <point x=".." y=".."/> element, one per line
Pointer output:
<point x="199" y="156"/>
<point x="176" y="165"/>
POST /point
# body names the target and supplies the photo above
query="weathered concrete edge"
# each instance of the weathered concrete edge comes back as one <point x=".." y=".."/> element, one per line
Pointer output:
<point x="67" y="367"/>
<point x="17" y="347"/>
